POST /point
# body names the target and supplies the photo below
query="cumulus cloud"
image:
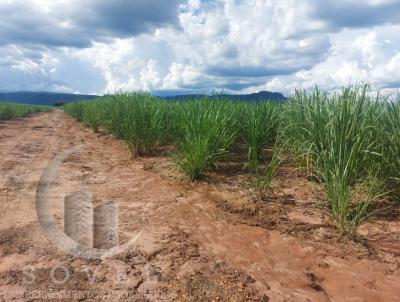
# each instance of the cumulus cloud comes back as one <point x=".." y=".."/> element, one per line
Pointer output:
<point x="40" y="70"/>
<point x="197" y="46"/>
<point x="219" y="45"/>
<point x="361" y="56"/>
<point x="76" y="23"/>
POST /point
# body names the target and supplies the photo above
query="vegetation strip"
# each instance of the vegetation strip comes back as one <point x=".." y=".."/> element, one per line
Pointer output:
<point x="11" y="111"/>
<point x="348" y="141"/>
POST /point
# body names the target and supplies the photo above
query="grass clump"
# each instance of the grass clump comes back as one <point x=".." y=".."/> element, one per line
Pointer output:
<point x="75" y="109"/>
<point x="389" y="133"/>
<point x="263" y="182"/>
<point x="259" y="127"/>
<point x="138" y="118"/>
<point x="10" y="111"/>
<point x="143" y="120"/>
<point x="336" y="134"/>
<point x="92" y="115"/>
<point x="207" y="131"/>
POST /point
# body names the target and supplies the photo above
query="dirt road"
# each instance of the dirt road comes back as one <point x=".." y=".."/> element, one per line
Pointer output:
<point x="188" y="250"/>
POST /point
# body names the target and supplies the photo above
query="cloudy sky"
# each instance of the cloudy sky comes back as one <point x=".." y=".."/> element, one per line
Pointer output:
<point x="241" y="46"/>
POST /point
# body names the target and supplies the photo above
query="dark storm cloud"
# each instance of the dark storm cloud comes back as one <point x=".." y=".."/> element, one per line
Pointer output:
<point x="82" y="22"/>
<point x="127" y="17"/>
<point x="249" y="71"/>
<point x="10" y="56"/>
<point x="239" y="84"/>
<point x="23" y="24"/>
<point x="395" y="84"/>
<point x="339" y="14"/>
<point x="225" y="81"/>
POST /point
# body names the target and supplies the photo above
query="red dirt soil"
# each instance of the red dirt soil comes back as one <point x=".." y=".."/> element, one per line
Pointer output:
<point x="209" y="241"/>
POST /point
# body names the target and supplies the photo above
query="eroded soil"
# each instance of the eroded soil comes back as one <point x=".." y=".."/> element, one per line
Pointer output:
<point x="204" y="242"/>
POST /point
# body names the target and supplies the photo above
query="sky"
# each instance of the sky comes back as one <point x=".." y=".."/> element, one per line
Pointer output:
<point x="194" y="46"/>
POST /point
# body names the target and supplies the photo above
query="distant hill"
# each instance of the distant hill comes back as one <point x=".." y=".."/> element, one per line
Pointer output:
<point x="43" y="98"/>
<point x="258" y="96"/>
<point x="51" y="98"/>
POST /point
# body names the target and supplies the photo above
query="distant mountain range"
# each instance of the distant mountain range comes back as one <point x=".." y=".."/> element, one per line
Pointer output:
<point x="51" y="98"/>
<point x="43" y="98"/>
<point x="258" y="96"/>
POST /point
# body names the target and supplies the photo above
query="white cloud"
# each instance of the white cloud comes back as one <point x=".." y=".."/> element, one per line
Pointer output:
<point x="219" y="46"/>
<point x="369" y="56"/>
<point x="149" y="76"/>
<point x="235" y="45"/>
